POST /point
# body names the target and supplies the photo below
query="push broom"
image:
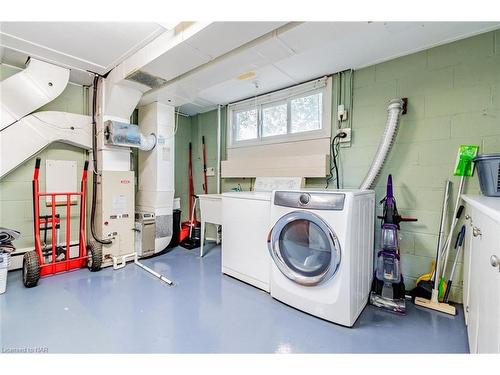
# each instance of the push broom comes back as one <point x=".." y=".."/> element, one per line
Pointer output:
<point x="463" y="168"/>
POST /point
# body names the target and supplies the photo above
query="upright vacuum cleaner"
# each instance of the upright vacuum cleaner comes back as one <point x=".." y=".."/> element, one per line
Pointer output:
<point x="388" y="288"/>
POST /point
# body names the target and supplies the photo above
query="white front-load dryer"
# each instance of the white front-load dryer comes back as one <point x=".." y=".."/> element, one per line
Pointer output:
<point x="321" y="246"/>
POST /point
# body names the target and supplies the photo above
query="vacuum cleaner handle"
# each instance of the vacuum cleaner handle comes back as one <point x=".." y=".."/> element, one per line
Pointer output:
<point x="409" y="219"/>
<point x="400" y="218"/>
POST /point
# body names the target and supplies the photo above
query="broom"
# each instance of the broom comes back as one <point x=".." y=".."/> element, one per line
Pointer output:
<point x="463" y="168"/>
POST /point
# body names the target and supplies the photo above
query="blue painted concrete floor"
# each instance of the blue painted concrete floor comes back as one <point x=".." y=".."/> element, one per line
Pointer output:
<point x="130" y="311"/>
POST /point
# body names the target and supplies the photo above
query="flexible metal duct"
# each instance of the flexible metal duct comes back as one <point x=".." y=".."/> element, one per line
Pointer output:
<point x="128" y="135"/>
<point x="394" y="112"/>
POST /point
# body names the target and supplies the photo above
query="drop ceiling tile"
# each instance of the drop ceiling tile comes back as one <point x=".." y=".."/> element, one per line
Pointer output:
<point x="101" y="44"/>
<point x="269" y="78"/>
<point x="313" y="34"/>
<point x="189" y="109"/>
<point x="230" y="67"/>
<point x="222" y="37"/>
<point x="371" y="44"/>
<point x="178" y="60"/>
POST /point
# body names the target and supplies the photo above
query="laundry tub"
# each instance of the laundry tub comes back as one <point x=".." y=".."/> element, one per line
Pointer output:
<point x="488" y="170"/>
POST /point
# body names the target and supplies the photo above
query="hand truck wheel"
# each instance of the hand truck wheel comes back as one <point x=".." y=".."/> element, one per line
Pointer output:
<point x="94" y="260"/>
<point x="31" y="269"/>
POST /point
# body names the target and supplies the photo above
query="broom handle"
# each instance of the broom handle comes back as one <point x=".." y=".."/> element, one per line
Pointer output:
<point x="456" y="214"/>
<point x="441" y="224"/>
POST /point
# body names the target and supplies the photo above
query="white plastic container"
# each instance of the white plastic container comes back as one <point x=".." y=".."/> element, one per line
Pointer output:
<point x="4" y="267"/>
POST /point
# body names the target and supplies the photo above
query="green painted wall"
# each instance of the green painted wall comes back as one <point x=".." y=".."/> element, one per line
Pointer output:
<point x="454" y="98"/>
<point x="15" y="188"/>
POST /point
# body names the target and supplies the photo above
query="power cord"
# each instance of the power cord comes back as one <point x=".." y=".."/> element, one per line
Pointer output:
<point x="335" y="147"/>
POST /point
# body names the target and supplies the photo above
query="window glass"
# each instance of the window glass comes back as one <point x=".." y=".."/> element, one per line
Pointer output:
<point x="305" y="113"/>
<point x="246" y="124"/>
<point x="274" y="120"/>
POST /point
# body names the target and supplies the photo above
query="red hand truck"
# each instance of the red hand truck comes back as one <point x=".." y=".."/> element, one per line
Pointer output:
<point x="48" y="260"/>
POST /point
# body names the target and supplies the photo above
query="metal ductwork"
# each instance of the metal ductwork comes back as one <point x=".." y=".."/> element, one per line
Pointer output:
<point x="128" y="135"/>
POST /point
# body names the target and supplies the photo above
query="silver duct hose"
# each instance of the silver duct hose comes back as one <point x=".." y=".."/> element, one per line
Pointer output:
<point x="394" y="111"/>
<point x="147" y="142"/>
<point x="128" y="135"/>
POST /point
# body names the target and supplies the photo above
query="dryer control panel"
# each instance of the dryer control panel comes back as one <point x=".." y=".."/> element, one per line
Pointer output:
<point x="310" y="200"/>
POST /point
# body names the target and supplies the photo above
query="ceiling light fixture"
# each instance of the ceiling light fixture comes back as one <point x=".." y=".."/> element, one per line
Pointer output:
<point x="246" y="75"/>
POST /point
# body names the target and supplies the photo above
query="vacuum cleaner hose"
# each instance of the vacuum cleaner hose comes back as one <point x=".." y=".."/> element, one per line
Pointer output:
<point x="394" y="111"/>
<point x="94" y="161"/>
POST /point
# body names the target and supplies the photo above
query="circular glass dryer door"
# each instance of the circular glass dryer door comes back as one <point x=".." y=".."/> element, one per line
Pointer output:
<point x="304" y="248"/>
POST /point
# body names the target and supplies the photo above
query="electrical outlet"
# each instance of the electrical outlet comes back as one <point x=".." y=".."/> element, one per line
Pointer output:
<point x="341" y="113"/>
<point x="348" y="131"/>
<point x="210" y="171"/>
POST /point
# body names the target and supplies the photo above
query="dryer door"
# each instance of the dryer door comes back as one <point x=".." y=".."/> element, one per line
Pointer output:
<point x="304" y="248"/>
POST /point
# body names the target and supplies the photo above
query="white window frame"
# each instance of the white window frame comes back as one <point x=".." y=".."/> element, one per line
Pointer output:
<point x="322" y="85"/>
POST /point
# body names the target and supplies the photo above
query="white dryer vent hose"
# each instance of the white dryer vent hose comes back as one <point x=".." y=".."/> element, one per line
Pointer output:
<point x="394" y="111"/>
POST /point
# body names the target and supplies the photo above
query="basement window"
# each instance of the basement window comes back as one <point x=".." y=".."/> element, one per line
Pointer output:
<point x="298" y="113"/>
<point x="305" y="113"/>
<point x="246" y="124"/>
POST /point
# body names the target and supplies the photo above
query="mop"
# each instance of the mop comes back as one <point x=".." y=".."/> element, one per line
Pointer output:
<point x="463" y="168"/>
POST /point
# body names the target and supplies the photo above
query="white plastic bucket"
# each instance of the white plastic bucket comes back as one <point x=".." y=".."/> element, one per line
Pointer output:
<point x="4" y="268"/>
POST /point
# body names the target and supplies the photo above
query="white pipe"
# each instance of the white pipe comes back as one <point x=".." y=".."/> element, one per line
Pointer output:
<point x="120" y="262"/>
<point x="394" y="111"/>
<point x="218" y="148"/>
<point x="152" y="272"/>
